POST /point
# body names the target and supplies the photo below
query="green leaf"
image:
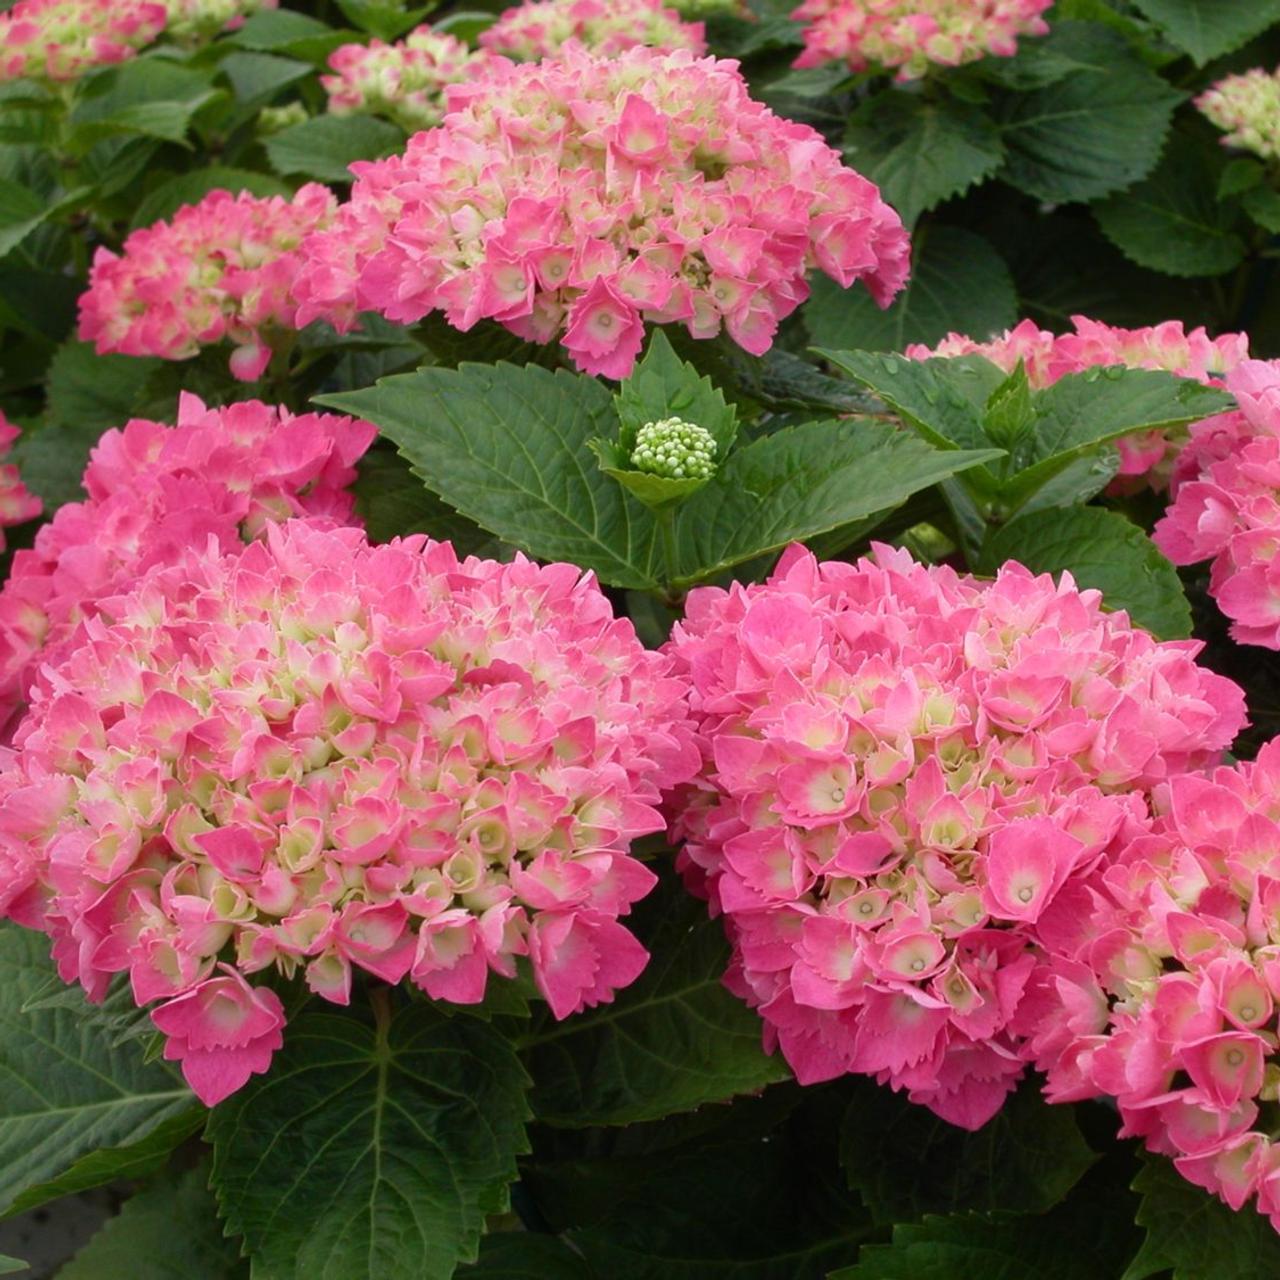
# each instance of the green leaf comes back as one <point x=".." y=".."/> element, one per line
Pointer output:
<point x="958" y="283"/>
<point x="1173" y="222"/>
<point x="372" y="1153"/>
<point x="673" y="1041"/>
<point x="167" y="1231"/>
<point x="521" y="1255"/>
<point x="1194" y="1236"/>
<point x="163" y="201"/>
<point x="1100" y="549"/>
<point x="1262" y="204"/>
<point x="21" y="212"/>
<point x="110" y="1164"/>
<point x="905" y="1162"/>
<point x="507" y="447"/>
<point x="1095" y="130"/>
<point x="664" y="386"/>
<point x="324" y="146"/>
<point x="921" y="152"/>
<point x="1084" y="410"/>
<point x="386" y="19"/>
<point x="256" y="78"/>
<point x="10" y="1265"/>
<point x="290" y="34"/>
<point x="151" y="96"/>
<point x="1206" y="29"/>
<point x="65" y="1091"/>
<point x="803" y="481"/>
<point x="1239" y="175"/>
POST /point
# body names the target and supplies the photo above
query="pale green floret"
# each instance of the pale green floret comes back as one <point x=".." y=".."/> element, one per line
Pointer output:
<point x="675" y="450"/>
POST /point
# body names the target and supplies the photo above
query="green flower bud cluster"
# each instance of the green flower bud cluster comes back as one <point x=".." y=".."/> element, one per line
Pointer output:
<point x="675" y="449"/>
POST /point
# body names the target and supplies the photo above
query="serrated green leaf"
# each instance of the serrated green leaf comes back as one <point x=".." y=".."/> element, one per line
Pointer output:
<point x="803" y="481"/>
<point x="921" y="152"/>
<point x="664" y="386"/>
<point x="151" y="96"/>
<point x="654" y="491"/>
<point x="1240" y="174"/>
<point x="507" y="446"/>
<point x="385" y="19"/>
<point x="324" y="146"/>
<point x="8" y="1266"/>
<point x="163" y="201"/>
<point x="905" y="1162"/>
<point x="1173" y="222"/>
<point x="1194" y="1236"/>
<point x="65" y="1091"/>
<point x="1101" y="549"/>
<point x="1097" y="129"/>
<point x="1206" y="29"/>
<point x="290" y="34"/>
<point x="958" y="283"/>
<point x="521" y="1255"/>
<point x="256" y="78"/>
<point x="21" y="212"/>
<point x="167" y="1231"/>
<point x="1262" y="204"/>
<point x="372" y="1153"/>
<point x="672" y="1041"/>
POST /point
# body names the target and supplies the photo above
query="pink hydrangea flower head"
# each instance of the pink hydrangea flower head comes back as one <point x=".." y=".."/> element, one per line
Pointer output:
<point x="17" y="503"/>
<point x="1163" y="993"/>
<point x="1226" y="504"/>
<point x="219" y="270"/>
<point x="910" y="36"/>
<point x="541" y="28"/>
<point x="1147" y="458"/>
<point x="317" y="756"/>
<point x="1247" y="109"/>
<point x="60" y="40"/>
<point x="906" y="775"/>
<point x="404" y="81"/>
<point x="583" y="197"/>
<point x="154" y="491"/>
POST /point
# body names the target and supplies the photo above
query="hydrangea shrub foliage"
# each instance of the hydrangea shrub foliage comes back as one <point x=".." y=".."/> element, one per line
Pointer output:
<point x="639" y="639"/>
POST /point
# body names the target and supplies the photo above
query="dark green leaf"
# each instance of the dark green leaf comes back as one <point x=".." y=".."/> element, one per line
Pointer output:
<point x="10" y="1265"/>
<point x="149" y="95"/>
<point x="1206" y="29"/>
<point x="1100" y="549"/>
<point x="167" y="1231"/>
<point x="673" y="1041"/>
<point x="1262" y="204"/>
<point x="803" y="481"/>
<point x="324" y="146"/>
<point x="1173" y="221"/>
<point x="905" y="1162"/>
<point x="1194" y="1236"/>
<point x="1093" y="131"/>
<point x="256" y="78"/>
<point x="507" y="447"/>
<point x="290" y="34"/>
<point x="371" y="1153"/>
<point x="520" y="1255"/>
<point x="386" y="19"/>
<point x="21" y="212"/>
<point x="65" y="1091"/>
<point x="959" y="283"/>
<point x="163" y="201"/>
<point x="1238" y="175"/>
<point x="921" y="152"/>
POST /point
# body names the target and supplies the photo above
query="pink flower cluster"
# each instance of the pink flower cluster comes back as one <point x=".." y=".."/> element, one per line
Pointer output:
<point x="314" y="756"/>
<point x="1048" y="357"/>
<point x="904" y="771"/>
<point x="220" y="269"/>
<point x="912" y="35"/>
<point x="541" y="28"/>
<point x="17" y="503"/>
<point x="1226" y="504"/>
<point x="404" y="81"/>
<point x="582" y="197"/>
<point x="153" y="491"/>
<point x="1247" y="109"/>
<point x="62" y="39"/>
<point x="1163" y="989"/>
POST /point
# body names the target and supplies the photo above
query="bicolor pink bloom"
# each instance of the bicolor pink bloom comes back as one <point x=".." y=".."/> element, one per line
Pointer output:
<point x="154" y="492"/>
<point x="404" y="81"/>
<point x="61" y="40"/>
<point x="1162" y="991"/>
<point x="219" y="270"/>
<point x="320" y="757"/>
<point x="1246" y="108"/>
<point x="582" y="198"/>
<point x="1226" y="505"/>
<point x="908" y="776"/>
<point x="222" y="1032"/>
<point x="910" y="36"/>
<point x="541" y="28"/>
<point x="1146" y="458"/>
<point x="17" y="503"/>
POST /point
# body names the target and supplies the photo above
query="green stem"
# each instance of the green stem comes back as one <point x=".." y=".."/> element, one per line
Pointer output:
<point x="666" y="517"/>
